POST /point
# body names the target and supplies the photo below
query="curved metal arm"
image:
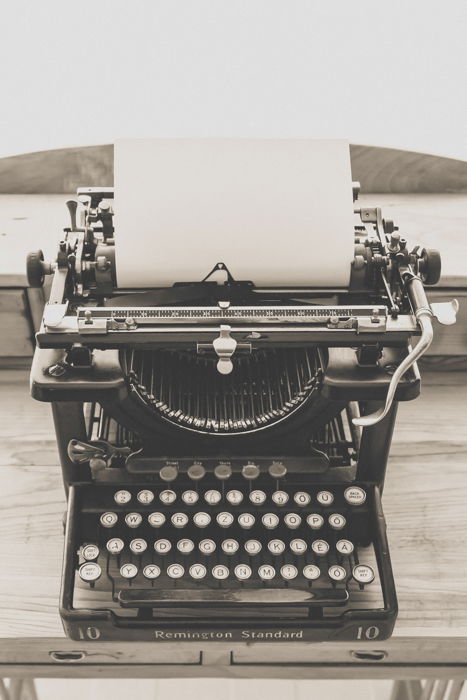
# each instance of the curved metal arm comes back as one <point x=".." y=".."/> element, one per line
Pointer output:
<point x="424" y="317"/>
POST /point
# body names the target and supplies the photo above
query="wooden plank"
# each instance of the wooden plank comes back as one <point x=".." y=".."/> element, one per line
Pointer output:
<point x="16" y="330"/>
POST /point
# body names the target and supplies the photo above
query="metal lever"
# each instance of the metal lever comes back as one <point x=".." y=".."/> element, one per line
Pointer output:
<point x="225" y="347"/>
<point x="99" y="453"/>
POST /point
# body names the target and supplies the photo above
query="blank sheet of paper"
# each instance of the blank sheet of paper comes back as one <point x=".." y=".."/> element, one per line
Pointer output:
<point x="278" y="212"/>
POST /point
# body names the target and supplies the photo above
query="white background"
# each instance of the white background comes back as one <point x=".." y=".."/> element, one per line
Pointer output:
<point x="391" y="73"/>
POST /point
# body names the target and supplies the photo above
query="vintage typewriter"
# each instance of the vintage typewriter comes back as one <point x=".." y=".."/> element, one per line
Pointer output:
<point x="206" y="503"/>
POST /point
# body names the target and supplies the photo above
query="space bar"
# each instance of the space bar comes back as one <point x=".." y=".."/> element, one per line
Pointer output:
<point x="151" y="597"/>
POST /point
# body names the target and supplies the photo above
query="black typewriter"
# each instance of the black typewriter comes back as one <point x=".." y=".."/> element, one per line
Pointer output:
<point x="206" y="503"/>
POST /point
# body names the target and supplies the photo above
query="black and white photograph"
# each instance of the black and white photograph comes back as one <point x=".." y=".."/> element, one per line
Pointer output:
<point x="233" y="339"/>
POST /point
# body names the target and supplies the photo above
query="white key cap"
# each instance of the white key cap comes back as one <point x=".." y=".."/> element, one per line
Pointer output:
<point x="298" y="546"/>
<point x="138" y="545"/>
<point x="89" y="571"/>
<point x="115" y="545"/>
<point x="90" y="552"/>
<point x="179" y="520"/>
<point x="213" y="497"/>
<point x="266" y="572"/>
<point x="128" y="571"/>
<point x="242" y="572"/>
<point x="175" y="571"/>
<point x="320" y="547"/>
<point x="276" y="546"/>
<point x="234" y="497"/>
<point x="109" y="519"/>
<point x="168" y="496"/>
<point x="344" y="547"/>
<point x="185" y="546"/>
<point x="133" y="519"/>
<point x="270" y="520"/>
<point x="229" y="546"/>
<point x="162" y="546"/>
<point x="311" y="572"/>
<point x="289" y="572"/>
<point x="355" y="496"/>
<point x="190" y="497"/>
<point x="315" y="521"/>
<point x="336" y="521"/>
<point x="145" y="497"/>
<point x="220" y="572"/>
<point x="292" y="520"/>
<point x="197" y="571"/>
<point x="246" y="521"/>
<point x="302" y="498"/>
<point x="122" y="497"/>
<point x="280" y="498"/>
<point x="253" y="547"/>
<point x="363" y="573"/>
<point x="207" y="546"/>
<point x="257" y="497"/>
<point x="151" y="571"/>
<point x="325" y="498"/>
<point x="337" y="573"/>
<point x="224" y="519"/>
<point x="156" y="519"/>
<point x="201" y="519"/>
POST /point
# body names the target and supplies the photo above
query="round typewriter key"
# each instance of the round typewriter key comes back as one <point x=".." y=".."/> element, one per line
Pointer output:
<point x="257" y="497"/>
<point x="253" y="546"/>
<point x="220" y="572"/>
<point x="355" y="496"/>
<point x="151" y="571"/>
<point x="122" y="497"/>
<point x="363" y="573"/>
<point x="138" y="545"/>
<point x="229" y="546"/>
<point x="128" y="571"/>
<point x="250" y="471"/>
<point x="320" y="547"/>
<point x="168" y="496"/>
<point x="315" y="521"/>
<point x="266" y="572"/>
<point x="145" y="497"/>
<point x="156" y="519"/>
<point x="108" y="519"/>
<point x="325" y="498"/>
<point x="276" y="546"/>
<point x="197" y="571"/>
<point x="162" y="546"/>
<point x="336" y="521"/>
<point x="196" y="472"/>
<point x="223" y="472"/>
<point x="292" y="520"/>
<point x="337" y="573"/>
<point x="289" y="572"/>
<point x="115" y="545"/>
<point x="175" y="571"/>
<point x="213" y="497"/>
<point x="224" y="519"/>
<point x="190" y="497"/>
<point x="185" y="546"/>
<point x="246" y="521"/>
<point x="168" y="473"/>
<point x="242" y="572"/>
<point x="207" y="546"/>
<point x="234" y="497"/>
<point x="179" y="519"/>
<point x="302" y="498"/>
<point x="344" y="547"/>
<point x="280" y="498"/>
<point x="277" y="470"/>
<point x="133" y="519"/>
<point x="311" y="572"/>
<point x="298" y="546"/>
<point x="90" y="552"/>
<point x="201" y="519"/>
<point x="270" y="520"/>
<point x="89" y="572"/>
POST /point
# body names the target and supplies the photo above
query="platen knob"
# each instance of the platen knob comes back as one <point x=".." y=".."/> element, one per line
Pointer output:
<point x="277" y="470"/>
<point x="223" y="472"/>
<point x="250" y="471"/>
<point x="196" y="472"/>
<point x="168" y="473"/>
